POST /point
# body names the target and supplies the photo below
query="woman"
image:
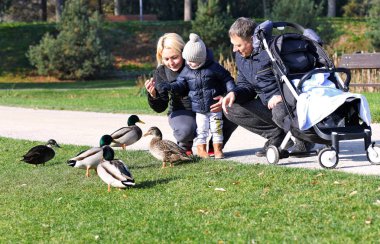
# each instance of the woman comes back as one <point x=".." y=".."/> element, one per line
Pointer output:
<point x="181" y="118"/>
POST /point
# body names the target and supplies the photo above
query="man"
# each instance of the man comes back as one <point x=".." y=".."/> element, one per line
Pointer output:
<point x="255" y="78"/>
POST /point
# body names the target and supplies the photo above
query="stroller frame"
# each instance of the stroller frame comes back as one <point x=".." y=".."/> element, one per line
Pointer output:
<point x="328" y="157"/>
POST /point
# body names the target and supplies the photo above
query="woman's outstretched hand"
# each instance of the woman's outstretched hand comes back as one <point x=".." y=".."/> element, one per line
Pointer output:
<point x="149" y="85"/>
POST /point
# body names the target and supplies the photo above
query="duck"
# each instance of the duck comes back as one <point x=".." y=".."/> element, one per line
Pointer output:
<point x="115" y="173"/>
<point x="40" y="154"/>
<point x="165" y="150"/>
<point x="128" y="135"/>
<point x="89" y="159"/>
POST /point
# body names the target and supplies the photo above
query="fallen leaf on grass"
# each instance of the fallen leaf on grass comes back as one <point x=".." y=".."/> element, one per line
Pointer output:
<point x="261" y="173"/>
<point x="368" y="221"/>
<point x="45" y="225"/>
<point x="353" y="193"/>
<point x="203" y="211"/>
<point x="220" y="189"/>
<point x="266" y="190"/>
<point x="336" y="182"/>
<point x="377" y="203"/>
<point x="319" y="175"/>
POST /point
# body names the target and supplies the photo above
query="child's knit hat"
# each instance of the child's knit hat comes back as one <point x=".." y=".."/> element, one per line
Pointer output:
<point x="195" y="50"/>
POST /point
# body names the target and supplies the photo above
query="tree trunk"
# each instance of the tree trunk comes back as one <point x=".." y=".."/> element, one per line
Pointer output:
<point x="58" y="9"/>
<point x="100" y="7"/>
<point x="117" y="9"/>
<point x="141" y="10"/>
<point x="266" y="8"/>
<point x="331" y="8"/>
<point x="43" y="10"/>
<point x="187" y="10"/>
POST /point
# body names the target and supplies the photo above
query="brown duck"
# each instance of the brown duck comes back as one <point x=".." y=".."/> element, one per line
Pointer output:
<point x="165" y="150"/>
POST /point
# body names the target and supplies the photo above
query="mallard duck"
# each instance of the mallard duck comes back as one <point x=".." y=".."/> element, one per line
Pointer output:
<point x="115" y="173"/>
<point x="165" y="150"/>
<point x="89" y="159"/>
<point x="126" y="136"/>
<point x="40" y="154"/>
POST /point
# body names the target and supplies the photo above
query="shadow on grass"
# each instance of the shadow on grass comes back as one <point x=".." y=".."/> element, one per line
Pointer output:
<point x="53" y="164"/>
<point x="151" y="165"/>
<point x="152" y="183"/>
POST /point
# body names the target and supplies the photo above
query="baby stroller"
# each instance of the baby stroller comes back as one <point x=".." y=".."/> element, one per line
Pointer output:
<point x="296" y="59"/>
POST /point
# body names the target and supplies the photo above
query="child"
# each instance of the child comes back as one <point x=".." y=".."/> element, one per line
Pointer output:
<point x="203" y="79"/>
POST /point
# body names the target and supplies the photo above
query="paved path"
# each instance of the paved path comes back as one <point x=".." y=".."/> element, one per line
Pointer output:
<point x="85" y="128"/>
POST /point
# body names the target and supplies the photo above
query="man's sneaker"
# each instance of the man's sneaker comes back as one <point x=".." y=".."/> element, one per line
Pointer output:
<point x="289" y="144"/>
<point x="262" y="152"/>
<point x="302" y="146"/>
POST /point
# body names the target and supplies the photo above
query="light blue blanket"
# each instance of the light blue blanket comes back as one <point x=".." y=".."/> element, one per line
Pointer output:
<point x="320" y="98"/>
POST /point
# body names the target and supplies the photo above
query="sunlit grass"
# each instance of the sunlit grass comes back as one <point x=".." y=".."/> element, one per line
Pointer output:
<point x="117" y="96"/>
<point x="201" y="202"/>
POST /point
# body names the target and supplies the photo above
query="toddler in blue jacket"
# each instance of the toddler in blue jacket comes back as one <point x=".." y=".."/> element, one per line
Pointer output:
<point x="203" y="79"/>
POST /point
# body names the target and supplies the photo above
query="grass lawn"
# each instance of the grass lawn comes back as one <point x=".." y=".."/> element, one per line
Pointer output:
<point x="266" y="204"/>
<point x="116" y="96"/>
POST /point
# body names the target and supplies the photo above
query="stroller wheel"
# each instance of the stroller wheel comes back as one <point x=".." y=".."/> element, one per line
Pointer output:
<point x="272" y="155"/>
<point x="373" y="154"/>
<point x="328" y="158"/>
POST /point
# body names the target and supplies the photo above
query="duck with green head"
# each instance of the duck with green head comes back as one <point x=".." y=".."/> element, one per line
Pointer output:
<point x="89" y="159"/>
<point x="128" y="135"/>
<point x="40" y="154"/>
<point x="165" y="150"/>
<point x="115" y="173"/>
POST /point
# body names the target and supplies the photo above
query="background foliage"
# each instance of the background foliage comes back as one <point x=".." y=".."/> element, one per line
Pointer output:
<point x="78" y="51"/>
<point x="132" y="43"/>
<point x="374" y="24"/>
<point x="211" y="24"/>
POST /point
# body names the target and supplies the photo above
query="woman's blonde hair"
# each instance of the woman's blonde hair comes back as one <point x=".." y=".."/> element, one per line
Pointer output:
<point x="169" y="41"/>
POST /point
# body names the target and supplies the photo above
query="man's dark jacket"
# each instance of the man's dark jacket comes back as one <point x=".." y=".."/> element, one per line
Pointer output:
<point x="255" y="77"/>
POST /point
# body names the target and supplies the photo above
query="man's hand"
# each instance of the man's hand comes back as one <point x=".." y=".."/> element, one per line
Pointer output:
<point x="228" y="101"/>
<point x="217" y="107"/>
<point x="149" y="86"/>
<point x="273" y="101"/>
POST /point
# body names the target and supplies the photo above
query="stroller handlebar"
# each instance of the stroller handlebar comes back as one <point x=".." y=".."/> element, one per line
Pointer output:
<point x="343" y="86"/>
<point x="285" y="24"/>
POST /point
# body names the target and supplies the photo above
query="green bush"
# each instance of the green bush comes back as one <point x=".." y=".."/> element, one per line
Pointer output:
<point x="356" y="8"/>
<point x="78" y="51"/>
<point x="303" y="12"/>
<point x="306" y="13"/>
<point x="211" y="24"/>
<point x="374" y="23"/>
